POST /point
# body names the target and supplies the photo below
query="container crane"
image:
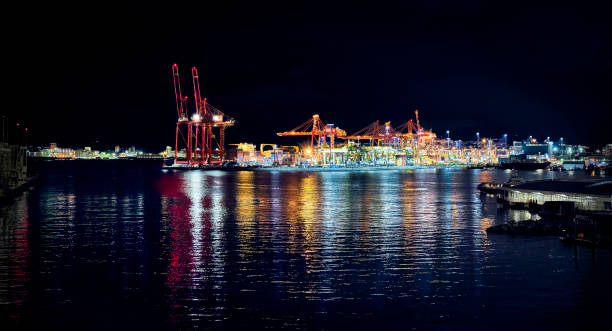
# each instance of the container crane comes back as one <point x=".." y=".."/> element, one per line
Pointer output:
<point x="205" y="119"/>
<point x="314" y="127"/>
<point x="381" y="135"/>
<point x="182" y="120"/>
<point x="199" y="149"/>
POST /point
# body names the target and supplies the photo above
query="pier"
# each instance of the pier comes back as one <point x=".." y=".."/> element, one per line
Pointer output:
<point x="588" y="196"/>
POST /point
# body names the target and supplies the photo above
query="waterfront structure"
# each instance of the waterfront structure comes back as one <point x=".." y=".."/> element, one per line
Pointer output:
<point x="586" y="196"/>
<point x="13" y="168"/>
<point x="246" y="154"/>
<point x="87" y="153"/>
<point x="384" y="145"/>
<point x="314" y="128"/>
<point x="607" y="150"/>
<point x="200" y="144"/>
<point x="536" y="151"/>
<point x="378" y="144"/>
<point x="53" y="151"/>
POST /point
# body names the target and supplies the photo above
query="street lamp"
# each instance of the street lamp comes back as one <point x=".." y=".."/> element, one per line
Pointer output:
<point x="447" y="138"/>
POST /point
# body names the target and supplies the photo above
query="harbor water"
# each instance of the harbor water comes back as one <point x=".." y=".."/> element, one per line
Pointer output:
<point x="125" y="244"/>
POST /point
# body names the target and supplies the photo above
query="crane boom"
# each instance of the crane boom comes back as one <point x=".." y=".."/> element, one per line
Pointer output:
<point x="196" y="90"/>
<point x="180" y="111"/>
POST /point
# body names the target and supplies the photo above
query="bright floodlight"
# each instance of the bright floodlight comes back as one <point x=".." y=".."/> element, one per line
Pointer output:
<point x="196" y="117"/>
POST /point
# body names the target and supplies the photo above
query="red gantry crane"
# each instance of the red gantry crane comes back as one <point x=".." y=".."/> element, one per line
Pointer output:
<point x="200" y="144"/>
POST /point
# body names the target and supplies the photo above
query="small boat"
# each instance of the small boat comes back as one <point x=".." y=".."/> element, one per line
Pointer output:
<point x="498" y="188"/>
<point x="476" y="166"/>
<point x="556" y="168"/>
<point x="491" y="188"/>
<point x="582" y="241"/>
<point x="568" y="240"/>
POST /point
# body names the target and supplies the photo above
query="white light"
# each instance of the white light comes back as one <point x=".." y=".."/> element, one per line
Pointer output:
<point x="196" y="117"/>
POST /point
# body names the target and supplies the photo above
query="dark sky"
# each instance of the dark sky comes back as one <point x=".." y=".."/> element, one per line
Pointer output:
<point x="81" y="75"/>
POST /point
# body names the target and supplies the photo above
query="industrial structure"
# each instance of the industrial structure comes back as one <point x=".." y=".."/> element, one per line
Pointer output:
<point x="384" y="145"/>
<point x="200" y="139"/>
<point x="589" y="196"/>
<point x="315" y="128"/>
<point x="198" y="145"/>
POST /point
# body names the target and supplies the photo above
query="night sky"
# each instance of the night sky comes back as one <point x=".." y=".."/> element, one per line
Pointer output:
<point x="102" y="77"/>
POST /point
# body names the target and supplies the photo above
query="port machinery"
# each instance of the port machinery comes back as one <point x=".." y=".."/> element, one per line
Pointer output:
<point x="196" y="133"/>
<point x="382" y="143"/>
<point x="315" y="128"/>
<point x="410" y="137"/>
<point x="406" y="137"/>
<point x="407" y="134"/>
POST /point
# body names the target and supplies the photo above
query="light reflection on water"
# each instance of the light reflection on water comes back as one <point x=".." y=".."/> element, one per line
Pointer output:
<point x="282" y="249"/>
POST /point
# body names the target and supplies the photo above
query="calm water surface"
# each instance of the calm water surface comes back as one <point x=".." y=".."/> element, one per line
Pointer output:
<point x="123" y="245"/>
